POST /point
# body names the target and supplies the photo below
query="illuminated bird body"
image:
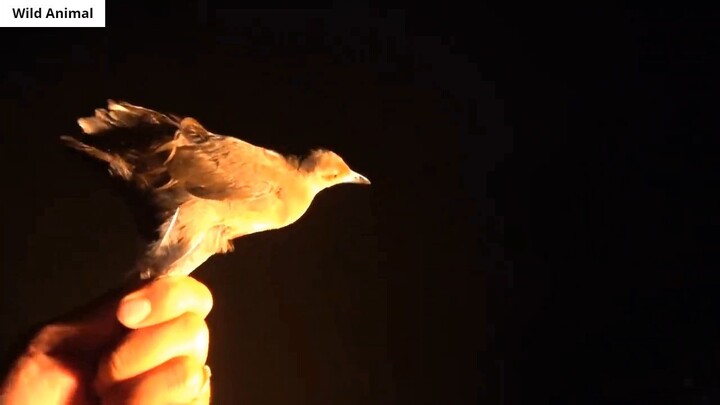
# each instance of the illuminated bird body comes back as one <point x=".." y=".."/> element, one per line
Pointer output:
<point x="209" y="189"/>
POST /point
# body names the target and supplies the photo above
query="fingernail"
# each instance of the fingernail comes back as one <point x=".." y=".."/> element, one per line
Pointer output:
<point x="133" y="311"/>
<point x="206" y="381"/>
<point x="200" y="382"/>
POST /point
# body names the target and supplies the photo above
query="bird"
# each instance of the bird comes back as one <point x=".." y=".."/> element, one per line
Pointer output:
<point x="207" y="189"/>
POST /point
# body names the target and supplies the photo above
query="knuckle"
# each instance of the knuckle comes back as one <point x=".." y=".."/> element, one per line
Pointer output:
<point x="192" y="323"/>
<point x="198" y="336"/>
<point x="174" y="296"/>
<point x="46" y="337"/>
<point x="188" y="294"/>
<point x="207" y="299"/>
<point x="199" y="290"/>
<point x="49" y="330"/>
<point x="166" y="285"/>
<point x="181" y="373"/>
<point x="116" y="365"/>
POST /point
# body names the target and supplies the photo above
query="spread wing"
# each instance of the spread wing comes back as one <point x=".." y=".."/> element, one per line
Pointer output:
<point x="174" y="158"/>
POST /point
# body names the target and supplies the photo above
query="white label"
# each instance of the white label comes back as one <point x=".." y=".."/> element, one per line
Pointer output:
<point x="52" y="13"/>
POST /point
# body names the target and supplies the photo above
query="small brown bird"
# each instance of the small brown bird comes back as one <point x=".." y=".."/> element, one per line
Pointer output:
<point x="209" y="189"/>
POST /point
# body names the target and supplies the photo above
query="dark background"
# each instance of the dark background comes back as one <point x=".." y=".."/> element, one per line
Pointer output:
<point x="541" y="226"/>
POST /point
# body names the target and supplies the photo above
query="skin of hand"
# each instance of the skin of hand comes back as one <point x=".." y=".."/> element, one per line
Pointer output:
<point x="150" y="347"/>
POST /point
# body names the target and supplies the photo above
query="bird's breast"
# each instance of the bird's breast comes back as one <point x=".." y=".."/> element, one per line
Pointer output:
<point x="243" y="217"/>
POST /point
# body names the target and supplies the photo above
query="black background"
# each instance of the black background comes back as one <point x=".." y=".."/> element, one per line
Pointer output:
<point x="541" y="226"/>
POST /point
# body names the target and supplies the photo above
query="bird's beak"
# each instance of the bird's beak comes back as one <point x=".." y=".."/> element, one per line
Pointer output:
<point x="356" y="178"/>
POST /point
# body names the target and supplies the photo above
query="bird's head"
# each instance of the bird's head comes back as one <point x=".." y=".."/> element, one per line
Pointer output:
<point x="327" y="169"/>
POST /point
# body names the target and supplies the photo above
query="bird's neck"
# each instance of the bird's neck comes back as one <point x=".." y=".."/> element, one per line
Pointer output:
<point x="313" y="184"/>
<point x="296" y="197"/>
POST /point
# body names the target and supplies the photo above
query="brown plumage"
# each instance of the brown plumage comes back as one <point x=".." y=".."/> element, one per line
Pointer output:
<point x="208" y="188"/>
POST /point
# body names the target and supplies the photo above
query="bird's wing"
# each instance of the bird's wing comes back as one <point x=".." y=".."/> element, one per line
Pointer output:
<point x="176" y="158"/>
<point x="221" y="167"/>
<point x="120" y="114"/>
<point x="128" y="138"/>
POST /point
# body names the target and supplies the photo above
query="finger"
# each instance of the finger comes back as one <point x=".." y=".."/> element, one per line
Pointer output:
<point x="164" y="299"/>
<point x="179" y="380"/>
<point x="86" y="329"/>
<point x="147" y="348"/>
<point x="88" y="336"/>
<point x="204" y="397"/>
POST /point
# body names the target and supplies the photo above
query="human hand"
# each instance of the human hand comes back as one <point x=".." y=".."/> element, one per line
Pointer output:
<point x="149" y="348"/>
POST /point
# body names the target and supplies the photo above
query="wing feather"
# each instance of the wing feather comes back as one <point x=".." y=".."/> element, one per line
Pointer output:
<point x="225" y="168"/>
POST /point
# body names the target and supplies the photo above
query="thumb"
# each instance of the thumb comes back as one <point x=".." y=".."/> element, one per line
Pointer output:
<point x="89" y="329"/>
<point x="83" y="333"/>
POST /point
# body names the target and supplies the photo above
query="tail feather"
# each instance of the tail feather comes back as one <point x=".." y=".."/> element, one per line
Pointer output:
<point x="118" y="166"/>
